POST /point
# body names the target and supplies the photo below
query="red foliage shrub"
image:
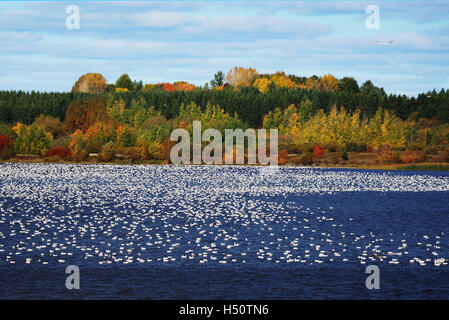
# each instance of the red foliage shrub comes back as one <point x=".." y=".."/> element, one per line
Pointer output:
<point x="63" y="153"/>
<point x="6" y="151"/>
<point x="369" y="149"/>
<point x="5" y="142"/>
<point x="318" y="152"/>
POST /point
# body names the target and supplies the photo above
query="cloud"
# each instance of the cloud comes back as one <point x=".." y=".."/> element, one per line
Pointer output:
<point x="169" y="41"/>
<point x="162" y="19"/>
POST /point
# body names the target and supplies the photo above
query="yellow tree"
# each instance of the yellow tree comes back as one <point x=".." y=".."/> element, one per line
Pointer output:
<point x="283" y="81"/>
<point x="262" y="84"/>
<point x="329" y="83"/>
<point x="311" y="83"/>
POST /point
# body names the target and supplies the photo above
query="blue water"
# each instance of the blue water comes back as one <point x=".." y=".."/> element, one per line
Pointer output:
<point x="203" y="232"/>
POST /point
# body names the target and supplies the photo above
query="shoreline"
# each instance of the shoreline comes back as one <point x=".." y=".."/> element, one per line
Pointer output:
<point x="418" y="166"/>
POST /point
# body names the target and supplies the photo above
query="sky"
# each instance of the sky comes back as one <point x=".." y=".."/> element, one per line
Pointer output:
<point x="166" y="41"/>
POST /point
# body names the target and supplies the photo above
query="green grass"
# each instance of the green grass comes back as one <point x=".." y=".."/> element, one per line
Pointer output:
<point x="425" y="167"/>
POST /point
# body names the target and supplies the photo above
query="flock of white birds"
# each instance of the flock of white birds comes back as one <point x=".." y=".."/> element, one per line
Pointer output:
<point x="113" y="214"/>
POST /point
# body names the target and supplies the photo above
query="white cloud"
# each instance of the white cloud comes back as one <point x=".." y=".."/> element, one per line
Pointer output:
<point x="162" y="19"/>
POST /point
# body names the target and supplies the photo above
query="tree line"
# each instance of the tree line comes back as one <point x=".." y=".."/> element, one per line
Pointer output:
<point x="247" y="101"/>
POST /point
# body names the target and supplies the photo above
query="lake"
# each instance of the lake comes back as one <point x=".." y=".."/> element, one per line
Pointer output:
<point x="222" y="232"/>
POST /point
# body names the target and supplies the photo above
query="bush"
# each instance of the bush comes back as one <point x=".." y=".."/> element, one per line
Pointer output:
<point x="344" y="155"/>
<point x="396" y="157"/>
<point x="385" y="148"/>
<point x="446" y="155"/>
<point x="306" y="158"/>
<point x="80" y="154"/>
<point x="126" y="136"/>
<point x="63" y="153"/>
<point x="334" y="158"/>
<point x="306" y="147"/>
<point x="6" y="151"/>
<point x="107" y="152"/>
<point x="355" y="147"/>
<point x="412" y="156"/>
<point x="431" y="149"/>
<point x="283" y="157"/>
<point x="331" y="147"/>
<point x="5" y="141"/>
<point x="50" y="124"/>
<point x="318" y="152"/>
<point x="31" y="140"/>
<point x="6" y="130"/>
<point x="415" y="146"/>
<point x="62" y="142"/>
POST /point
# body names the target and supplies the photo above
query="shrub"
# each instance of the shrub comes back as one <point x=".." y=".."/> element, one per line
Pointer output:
<point x="318" y="152"/>
<point x="5" y="147"/>
<point x="431" y="149"/>
<point x="412" y="156"/>
<point x="331" y="147"/>
<point x="396" y="157"/>
<point x="32" y="140"/>
<point x="6" y="130"/>
<point x="306" y="158"/>
<point x="344" y="155"/>
<point x="369" y="149"/>
<point x="80" y="154"/>
<point x="62" y="142"/>
<point x="5" y="141"/>
<point x="334" y="159"/>
<point x="415" y="146"/>
<point x="306" y="147"/>
<point x="107" y="152"/>
<point x="126" y="136"/>
<point x="385" y="148"/>
<point x="355" y="147"/>
<point x="446" y="155"/>
<point x="94" y="138"/>
<point x="63" y="153"/>
<point x="283" y="157"/>
<point x="51" y="124"/>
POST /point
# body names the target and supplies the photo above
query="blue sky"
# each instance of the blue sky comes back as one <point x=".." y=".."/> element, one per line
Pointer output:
<point x="166" y="41"/>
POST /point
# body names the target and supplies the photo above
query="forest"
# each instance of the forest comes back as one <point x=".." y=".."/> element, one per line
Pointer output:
<point x="321" y="119"/>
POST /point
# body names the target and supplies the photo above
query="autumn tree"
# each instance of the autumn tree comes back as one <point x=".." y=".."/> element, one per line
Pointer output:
<point x="50" y="124"/>
<point x="328" y="83"/>
<point x="262" y="84"/>
<point x="283" y="81"/>
<point x="82" y="114"/>
<point x="183" y="86"/>
<point x="311" y="83"/>
<point x="31" y="140"/>
<point x="90" y="83"/>
<point x="240" y="76"/>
